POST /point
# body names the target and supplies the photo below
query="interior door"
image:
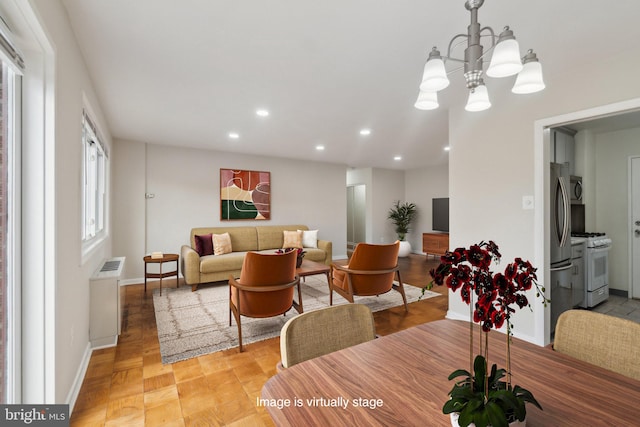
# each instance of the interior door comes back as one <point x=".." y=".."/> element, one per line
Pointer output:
<point x="634" y="256"/>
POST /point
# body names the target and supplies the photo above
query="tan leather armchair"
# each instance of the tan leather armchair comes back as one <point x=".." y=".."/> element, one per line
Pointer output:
<point x="371" y="271"/>
<point x="265" y="287"/>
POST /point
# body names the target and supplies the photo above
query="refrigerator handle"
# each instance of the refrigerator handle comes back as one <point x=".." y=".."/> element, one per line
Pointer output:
<point x="565" y="212"/>
<point x="566" y="267"/>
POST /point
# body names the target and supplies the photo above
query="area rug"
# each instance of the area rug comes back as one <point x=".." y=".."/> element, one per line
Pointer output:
<point x="191" y="324"/>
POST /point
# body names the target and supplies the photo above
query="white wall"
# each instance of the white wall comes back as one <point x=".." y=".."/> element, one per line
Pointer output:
<point x="67" y="280"/>
<point x="613" y="150"/>
<point x="497" y="156"/>
<point x="387" y="186"/>
<point x="129" y="216"/>
<point x="185" y="184"/>
<point x="422" y="185"/>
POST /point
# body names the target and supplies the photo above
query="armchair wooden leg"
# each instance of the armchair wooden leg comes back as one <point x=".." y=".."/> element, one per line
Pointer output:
<point x="239" y="334"/>
<point x="299" y="304"/>
<point x="400" y="288"/>
<point x="237" y="316"/>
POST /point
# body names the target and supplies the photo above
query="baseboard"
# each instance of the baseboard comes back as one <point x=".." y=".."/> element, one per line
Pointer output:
<point x="135" y="281"/>
<point x="619" y="293"/>
<point x="77" y="381"/>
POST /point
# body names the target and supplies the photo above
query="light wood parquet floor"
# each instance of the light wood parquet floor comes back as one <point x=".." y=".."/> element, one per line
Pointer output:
<point x="127" y="385"/>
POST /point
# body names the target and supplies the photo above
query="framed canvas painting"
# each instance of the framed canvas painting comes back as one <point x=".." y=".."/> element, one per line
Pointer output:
<point x="245" y="195"/>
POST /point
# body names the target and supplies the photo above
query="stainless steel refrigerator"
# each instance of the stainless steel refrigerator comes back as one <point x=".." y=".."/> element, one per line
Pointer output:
<point x="562" y="296"/>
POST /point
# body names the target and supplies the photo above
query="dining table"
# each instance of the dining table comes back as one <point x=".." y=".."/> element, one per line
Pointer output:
<point x="402" y="380"/>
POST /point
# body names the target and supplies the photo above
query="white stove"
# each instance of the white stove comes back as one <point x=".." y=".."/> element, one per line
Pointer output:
<point x="596" y="261"/>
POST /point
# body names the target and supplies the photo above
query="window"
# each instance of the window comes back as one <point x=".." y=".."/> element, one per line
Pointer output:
<point x="10" y="95"/>
<point x="94" y="181"/>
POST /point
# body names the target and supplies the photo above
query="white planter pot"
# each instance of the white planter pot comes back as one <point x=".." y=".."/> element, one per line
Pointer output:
<point x="454" y="421"/>
<point x="405" y="249"/>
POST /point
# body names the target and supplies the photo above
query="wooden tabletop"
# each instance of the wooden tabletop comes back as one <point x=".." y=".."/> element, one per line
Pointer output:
<point x="310" y="268"/>
<point x="404" y="375"/>
<point x="165" y="258"/>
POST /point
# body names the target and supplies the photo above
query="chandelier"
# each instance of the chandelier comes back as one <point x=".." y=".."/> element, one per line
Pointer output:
<point x="505" y="61"/>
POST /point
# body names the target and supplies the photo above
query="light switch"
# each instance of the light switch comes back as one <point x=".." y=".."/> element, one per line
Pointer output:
<point x="527" y="202"/>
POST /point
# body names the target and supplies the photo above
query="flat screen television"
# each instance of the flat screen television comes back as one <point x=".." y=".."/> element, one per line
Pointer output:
<point x="440" y="214"/>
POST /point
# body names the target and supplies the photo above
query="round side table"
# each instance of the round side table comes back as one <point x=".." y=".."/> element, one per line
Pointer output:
<point x="165" y="258"/>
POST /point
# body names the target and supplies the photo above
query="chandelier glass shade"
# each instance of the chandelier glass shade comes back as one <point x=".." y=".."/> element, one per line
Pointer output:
<point x="505" y="61"/>
<point x="427" y="100"/>
<point x="478" y="99"/>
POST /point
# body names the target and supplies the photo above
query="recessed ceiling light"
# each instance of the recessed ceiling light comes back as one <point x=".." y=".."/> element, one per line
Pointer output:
<point x="262" y="113"/>
<point x="365" y="132"/>
<point x="320" y="147"/>
<point x="234" y="135"/>
<point x="447" y="148"/>
<point x="396" y="158"/>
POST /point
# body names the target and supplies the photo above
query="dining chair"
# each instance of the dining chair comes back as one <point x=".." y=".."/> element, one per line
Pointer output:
<point x="265" y="288"/>
<point x="324" y="331"/>
<point x="372" y="270"/>
<point x="600" y="339"/>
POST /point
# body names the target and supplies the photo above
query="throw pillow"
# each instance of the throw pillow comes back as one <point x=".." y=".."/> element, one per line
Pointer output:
<point x="309" y="238"/>
<point x="221" y="244"/>
<point x="204" y="244"/>
<point x="292" y="239"/>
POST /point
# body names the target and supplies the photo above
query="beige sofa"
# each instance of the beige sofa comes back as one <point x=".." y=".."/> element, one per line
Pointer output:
<point x="268" y="238"/>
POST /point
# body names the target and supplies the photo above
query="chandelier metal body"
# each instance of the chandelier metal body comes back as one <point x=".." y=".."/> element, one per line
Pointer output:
<point x="505" y="61"/>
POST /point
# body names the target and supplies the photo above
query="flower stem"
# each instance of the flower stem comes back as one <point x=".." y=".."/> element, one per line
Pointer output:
<point x="486" y="367"/>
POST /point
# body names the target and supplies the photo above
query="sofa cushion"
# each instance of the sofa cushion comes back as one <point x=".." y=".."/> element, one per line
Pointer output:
<point x="309" y="238"/>
<point x="292" y="239"/>
<point x="203" y="244"/>
<point x="216" y="263"/>
<point x="221" y="244"/>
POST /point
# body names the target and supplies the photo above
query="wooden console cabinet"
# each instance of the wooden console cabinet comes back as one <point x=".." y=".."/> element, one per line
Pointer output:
<point x="435" y="243"/>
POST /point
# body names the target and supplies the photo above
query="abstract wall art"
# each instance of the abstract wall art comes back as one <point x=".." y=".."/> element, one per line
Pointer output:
<point x="245" y="195"/>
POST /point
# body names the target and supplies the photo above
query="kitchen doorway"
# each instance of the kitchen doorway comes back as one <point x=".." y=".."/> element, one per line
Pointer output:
<point x="542" y="224"/>
<point x="634" y="226"/>
<point x="356" y="215"/>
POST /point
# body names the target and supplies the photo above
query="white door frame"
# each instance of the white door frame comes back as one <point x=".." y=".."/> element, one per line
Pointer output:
<point x="631" y="226"/>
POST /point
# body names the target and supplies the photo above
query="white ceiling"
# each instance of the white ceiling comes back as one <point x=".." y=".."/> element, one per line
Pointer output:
<point x="189" y="72"/>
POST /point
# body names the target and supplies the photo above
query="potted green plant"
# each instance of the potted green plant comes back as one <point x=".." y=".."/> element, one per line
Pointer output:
<point x="482" y="396"/>
<point x="402" y="214"/>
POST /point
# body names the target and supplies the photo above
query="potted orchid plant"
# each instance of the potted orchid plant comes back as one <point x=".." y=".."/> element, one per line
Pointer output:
<point x="484" y="396"/>
<point x="300" y="252"/>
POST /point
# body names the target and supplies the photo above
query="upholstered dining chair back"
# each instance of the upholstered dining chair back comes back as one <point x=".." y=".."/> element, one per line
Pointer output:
<point x="600" y="339"/>
<point x="265" y="287"/>
<point x="324" y="331"/>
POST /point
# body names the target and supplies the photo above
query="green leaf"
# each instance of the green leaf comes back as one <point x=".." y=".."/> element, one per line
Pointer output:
<point x="459" y="373"/>
<point x="496" y="415"/>
<point x="526" y="396"/>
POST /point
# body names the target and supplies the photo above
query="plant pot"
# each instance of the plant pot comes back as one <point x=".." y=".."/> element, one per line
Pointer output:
<point x="405" y="249"/>
<point x="454" y="421"/>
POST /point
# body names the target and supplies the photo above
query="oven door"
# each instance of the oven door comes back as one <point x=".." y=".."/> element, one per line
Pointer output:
<point x="597" y="268"/>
